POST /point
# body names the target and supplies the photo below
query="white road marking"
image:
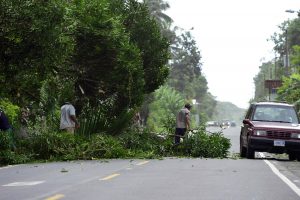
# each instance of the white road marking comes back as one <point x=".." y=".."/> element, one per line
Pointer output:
<point x="23" y="183"/>
<point x="8" y="166"/>
<point x="281" y="176"/>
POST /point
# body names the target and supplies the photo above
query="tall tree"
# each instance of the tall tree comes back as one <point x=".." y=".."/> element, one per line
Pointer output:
<point x="186" y="65"/>
<point x="185" y="73"/>
<point x="288" y="42"/>
<point x="154" y="47"/>
<point x="157" y="10"/>
<point x="107" y="63"/>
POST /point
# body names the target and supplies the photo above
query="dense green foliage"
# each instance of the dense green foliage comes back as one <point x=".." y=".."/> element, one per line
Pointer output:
<point x="289" y="91"/>
<point x="87" y="52"/>
<point x="11" y="111"/>
<point x="206" y="145"/>
<point x="35" y="41"/>
<point x="164" y="108"/>
<point x="104" y="56"/>
<point x="155" y="47"/>
<point x="295" y="58"/>
<point x="109" y="65"/>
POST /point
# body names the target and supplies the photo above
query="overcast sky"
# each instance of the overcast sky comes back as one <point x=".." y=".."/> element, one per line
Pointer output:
<point x="232" y="37"/>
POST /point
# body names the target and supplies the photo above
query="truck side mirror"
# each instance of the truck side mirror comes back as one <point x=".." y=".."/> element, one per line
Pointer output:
<point x="247" y="121"/>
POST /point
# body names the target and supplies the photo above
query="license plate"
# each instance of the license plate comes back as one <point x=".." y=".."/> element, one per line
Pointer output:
<point x="279" y="143"/>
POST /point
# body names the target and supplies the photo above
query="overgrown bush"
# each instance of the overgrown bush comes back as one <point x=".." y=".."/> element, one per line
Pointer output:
<point x="145" y="144"/>
<point x="104" y="146"/>
<point x="11" y="111"/>
<point x="52" y="145"/>
<point x="207" y="145"/>
<point x="9" y="155"/>
<point x="65" y="146"/>
<point x="132" y="144"/>
<point x="142" y="140"/>
<point x="4" y="141"/>
<point x="164" y="108"/>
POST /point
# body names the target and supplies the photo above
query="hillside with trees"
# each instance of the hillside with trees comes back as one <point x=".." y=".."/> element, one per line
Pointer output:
<point x="228" y="111"/>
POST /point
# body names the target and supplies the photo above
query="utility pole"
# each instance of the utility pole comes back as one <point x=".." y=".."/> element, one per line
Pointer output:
<point x="275" y="67"/>
<point x="286" y="54"/>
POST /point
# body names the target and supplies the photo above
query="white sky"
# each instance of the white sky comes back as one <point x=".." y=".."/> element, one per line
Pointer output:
<point x="232" y="38"/>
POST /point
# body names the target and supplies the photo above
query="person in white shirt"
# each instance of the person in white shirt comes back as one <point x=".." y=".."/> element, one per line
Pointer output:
<point x="182" y="122"/>
<point x="68" y="120"/>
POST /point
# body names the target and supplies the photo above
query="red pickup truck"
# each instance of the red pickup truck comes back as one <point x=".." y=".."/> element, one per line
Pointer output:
<point x="270" y="127"/>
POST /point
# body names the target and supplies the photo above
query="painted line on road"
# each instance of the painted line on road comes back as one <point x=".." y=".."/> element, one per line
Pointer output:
<point x="55" y="197"/>
<point x="23" y="183"/>
<point x="281" y="176"/>
<point x="142" y="163"/>
<point x="262" y="155"/>
<point x="109" y="177"/>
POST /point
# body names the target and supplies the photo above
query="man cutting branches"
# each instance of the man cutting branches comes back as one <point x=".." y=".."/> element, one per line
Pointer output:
<point x="182" y="122"/>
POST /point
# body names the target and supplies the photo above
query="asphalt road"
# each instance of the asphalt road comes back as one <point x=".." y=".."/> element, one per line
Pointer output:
<point x="170" y="178"/>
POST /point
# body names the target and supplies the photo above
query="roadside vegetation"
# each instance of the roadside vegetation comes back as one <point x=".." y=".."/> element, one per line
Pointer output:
<point x="57" y="146"/>
<point x="113" y="59"/>
<point x="41" y="142"/>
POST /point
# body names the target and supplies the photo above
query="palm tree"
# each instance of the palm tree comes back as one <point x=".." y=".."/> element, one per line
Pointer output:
<point x="156" y="8"/>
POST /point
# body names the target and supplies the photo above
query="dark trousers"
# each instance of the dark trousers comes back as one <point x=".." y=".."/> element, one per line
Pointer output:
<point x="179" y="133"/>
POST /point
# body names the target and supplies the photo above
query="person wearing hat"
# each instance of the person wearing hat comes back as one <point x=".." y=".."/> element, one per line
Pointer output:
<point x="182" y="122"/>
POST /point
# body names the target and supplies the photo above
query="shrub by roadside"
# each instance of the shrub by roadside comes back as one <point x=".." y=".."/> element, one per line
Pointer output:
<point x="207" y="145"/>
<point x="132" y="144"/>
